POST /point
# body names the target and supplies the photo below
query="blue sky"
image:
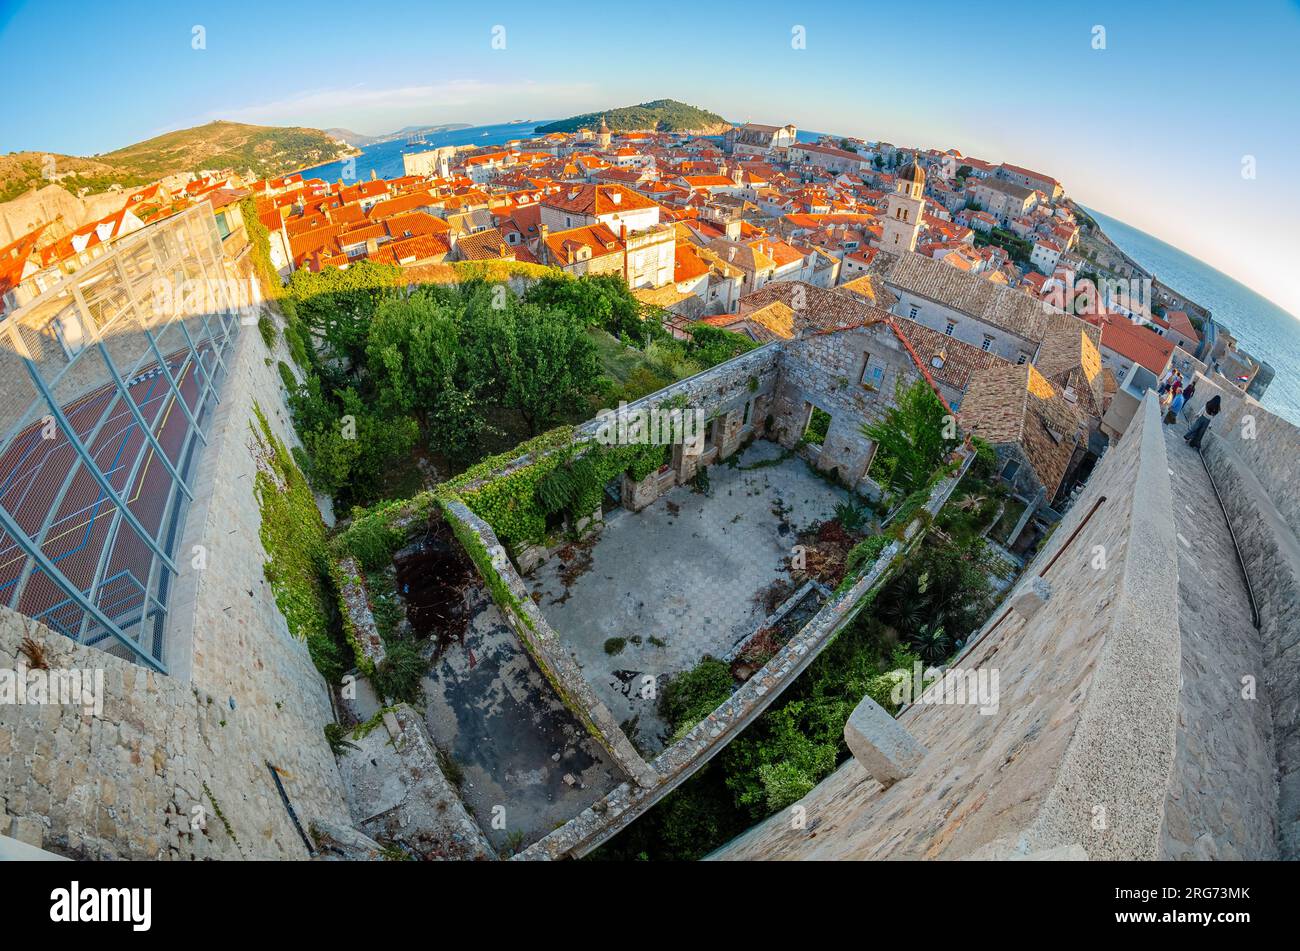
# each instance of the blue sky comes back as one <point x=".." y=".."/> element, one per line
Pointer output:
<point x="1153" y="129"/>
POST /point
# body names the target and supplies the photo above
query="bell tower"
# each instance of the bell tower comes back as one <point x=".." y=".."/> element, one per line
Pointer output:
<point x="903" y="209"/>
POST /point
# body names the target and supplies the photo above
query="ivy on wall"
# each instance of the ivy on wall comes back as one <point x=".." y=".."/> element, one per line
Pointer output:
<point x="570" y="480"/>
<point x="298" y="566"/>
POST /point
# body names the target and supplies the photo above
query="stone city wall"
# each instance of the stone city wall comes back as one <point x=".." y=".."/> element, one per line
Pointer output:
<point x="1252" y="456"/>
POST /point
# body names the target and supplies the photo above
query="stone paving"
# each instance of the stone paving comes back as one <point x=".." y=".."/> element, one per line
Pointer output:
<point x="688" y="571"/>
<point x="1222" y="781"/>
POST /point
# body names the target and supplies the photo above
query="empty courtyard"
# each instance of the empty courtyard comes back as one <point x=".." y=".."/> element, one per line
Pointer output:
<point x="690" y="575"/>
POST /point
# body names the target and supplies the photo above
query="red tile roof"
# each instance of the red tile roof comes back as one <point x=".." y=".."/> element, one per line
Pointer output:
<point x="1136" y="343"/>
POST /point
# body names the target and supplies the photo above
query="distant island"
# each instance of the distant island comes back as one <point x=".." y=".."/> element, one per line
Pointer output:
<point x="661" y="115"/>
<point x="361" y="141"/>
<point x="263" y="150"/>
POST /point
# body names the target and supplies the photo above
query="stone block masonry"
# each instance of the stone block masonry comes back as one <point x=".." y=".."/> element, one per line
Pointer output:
<point x="886" y="751"/>
<point x="358" y="617"/>
<point x="1256" y="481"/>
<point x="1220" y="806"/>
<point x="825" y="371"/>
<point x="400" y="795"/>
<point x="193" y="747"/>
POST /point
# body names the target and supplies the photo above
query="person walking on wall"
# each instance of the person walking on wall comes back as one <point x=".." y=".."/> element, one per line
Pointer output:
<point x="1175" y="408"/>
<point x="1197" y="431"/>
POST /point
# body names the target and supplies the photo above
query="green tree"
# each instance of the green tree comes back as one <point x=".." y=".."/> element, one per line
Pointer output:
<point x="338" y="305"/>
<point x="351" y="453"/>
<point x="538" y="361"/>
<point x="915" y="435"/>
<point x="416" y="358"/>
<point x="602" y="300"/>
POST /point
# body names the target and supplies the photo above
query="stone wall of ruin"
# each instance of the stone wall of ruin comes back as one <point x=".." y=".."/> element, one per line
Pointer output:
<point x="825" y="370"/>
<point x="606" y="818"/>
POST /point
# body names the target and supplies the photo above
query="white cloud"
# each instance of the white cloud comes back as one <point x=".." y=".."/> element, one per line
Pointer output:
<point x="373" y="111"/>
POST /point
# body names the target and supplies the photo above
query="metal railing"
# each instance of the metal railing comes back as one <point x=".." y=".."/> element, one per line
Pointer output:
<point x="107" y="379"/>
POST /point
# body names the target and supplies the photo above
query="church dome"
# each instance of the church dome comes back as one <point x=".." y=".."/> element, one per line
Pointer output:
<point x="911" y="172"/>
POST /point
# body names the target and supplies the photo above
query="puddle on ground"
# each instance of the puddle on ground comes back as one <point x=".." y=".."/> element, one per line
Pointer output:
<point x="431" y="577"/>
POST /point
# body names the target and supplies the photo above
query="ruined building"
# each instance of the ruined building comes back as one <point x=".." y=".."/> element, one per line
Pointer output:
<point x="1146" y="708"/>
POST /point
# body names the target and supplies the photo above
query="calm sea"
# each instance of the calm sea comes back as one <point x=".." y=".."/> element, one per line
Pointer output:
<point x="385" y="159"/>
<point x="1263" y="329"/>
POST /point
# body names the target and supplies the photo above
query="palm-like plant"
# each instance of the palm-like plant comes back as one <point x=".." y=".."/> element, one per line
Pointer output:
<point x="932" y="643"/>
<point x="850" y="515"/>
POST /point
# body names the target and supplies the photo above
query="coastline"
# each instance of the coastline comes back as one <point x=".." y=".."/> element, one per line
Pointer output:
<point x="1140" y="270"/>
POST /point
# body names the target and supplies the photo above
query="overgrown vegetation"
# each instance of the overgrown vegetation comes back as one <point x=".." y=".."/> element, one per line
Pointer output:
<point x="400" y="674"/>
<point x="692" y="695"/>
<point x="446" y="372"/>
<point x="298" y="565"/>
<point x="818" y="424"/>
<point x="563" y="479"/>
<point x="912" y="439"/>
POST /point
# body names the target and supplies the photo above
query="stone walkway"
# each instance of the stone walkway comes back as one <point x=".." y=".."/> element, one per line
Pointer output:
<point x="1223" y="766"/>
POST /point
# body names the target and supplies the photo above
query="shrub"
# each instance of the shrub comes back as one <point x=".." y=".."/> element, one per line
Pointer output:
<point x="865" y="552"/>
<point x="401" y="674"/>
<point x="371" y="540"/>
<point x="266" y="327"/>
<point x="851" y="516"/>
<point x="692" y="695"/>
<point x="986" y="459"/>
<point x="287" y="377"/>
<point x="711" y="345"/>
<point x="784" y="783"/>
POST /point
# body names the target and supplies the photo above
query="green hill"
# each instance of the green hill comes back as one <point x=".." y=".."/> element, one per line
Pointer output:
<point x="662" y="115"/>
<point x="264" y="150"/>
